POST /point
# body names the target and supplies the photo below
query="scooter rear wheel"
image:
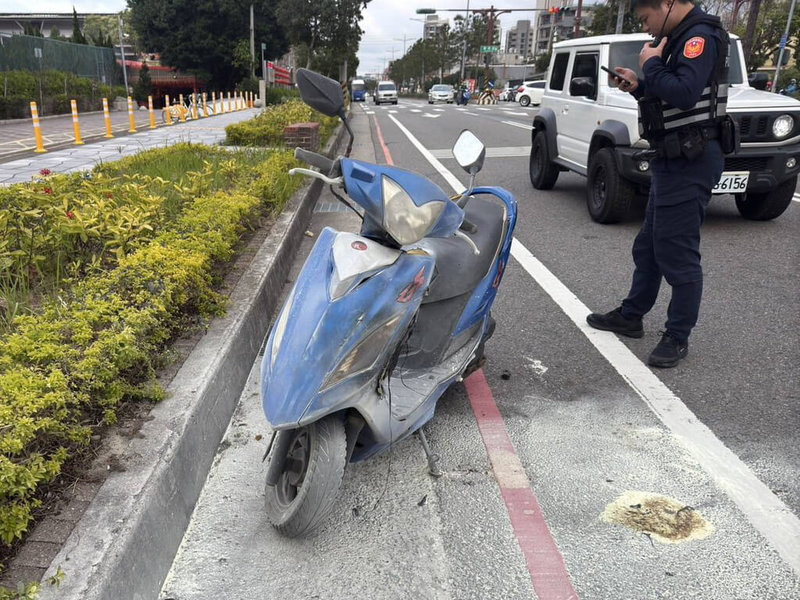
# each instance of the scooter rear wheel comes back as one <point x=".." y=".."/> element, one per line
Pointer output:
<point x="309" y="482"/>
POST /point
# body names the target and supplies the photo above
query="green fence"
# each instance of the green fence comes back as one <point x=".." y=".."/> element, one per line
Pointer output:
<point x="37" y="54"/>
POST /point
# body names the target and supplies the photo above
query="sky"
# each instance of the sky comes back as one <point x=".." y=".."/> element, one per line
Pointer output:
<point x="384" y="23"/>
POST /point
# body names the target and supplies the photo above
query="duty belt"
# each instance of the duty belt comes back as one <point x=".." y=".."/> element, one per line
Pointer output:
<point x="658" y="147"/>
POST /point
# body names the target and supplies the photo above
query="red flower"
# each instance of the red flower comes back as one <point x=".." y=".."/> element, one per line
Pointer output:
<point x="48" y="190"/>
<point x="70" y="214"/>
<point x="109" y="195"/>
<point x="45" y="172"/>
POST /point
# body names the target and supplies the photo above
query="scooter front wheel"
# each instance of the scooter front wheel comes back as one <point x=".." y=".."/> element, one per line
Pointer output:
<point x="309" y="482"/>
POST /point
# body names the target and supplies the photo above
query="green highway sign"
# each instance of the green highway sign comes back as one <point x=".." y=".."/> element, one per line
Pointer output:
<point x="489" y="49"/>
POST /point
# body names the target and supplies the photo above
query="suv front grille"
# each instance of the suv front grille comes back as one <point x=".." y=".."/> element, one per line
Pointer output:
<point x="743" y="163"/>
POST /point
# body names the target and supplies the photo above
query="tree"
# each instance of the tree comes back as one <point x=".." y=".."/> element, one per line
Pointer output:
<point x="201" y="35"/>
<point x="55" y="34"/>
<point x="605" y="19"/>
<point x="31" y="29"/>
<point x="768" y="31"/>
<point x="327" y="31"/>
<point x="144" y="86"/>
<point x="77" y="34"/>
<point x="543" y="62"/>
<point x="103" y="30"/>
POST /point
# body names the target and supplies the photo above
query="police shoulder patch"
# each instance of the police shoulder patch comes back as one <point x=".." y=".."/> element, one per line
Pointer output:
<point x="694" y="47"/>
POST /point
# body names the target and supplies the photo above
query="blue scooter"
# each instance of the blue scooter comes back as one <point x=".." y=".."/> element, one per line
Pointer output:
<point x="378" y="324"/>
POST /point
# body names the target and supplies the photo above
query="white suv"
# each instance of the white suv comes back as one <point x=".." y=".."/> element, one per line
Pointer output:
<point x="386" y="92"/>
<point x="585" y="124"/>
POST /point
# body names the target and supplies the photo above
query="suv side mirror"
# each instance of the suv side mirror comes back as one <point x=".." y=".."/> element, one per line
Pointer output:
<point x="582" y="86"/>
<point x="320" y="93"/>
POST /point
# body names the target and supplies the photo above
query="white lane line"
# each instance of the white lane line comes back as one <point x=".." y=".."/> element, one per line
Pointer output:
<point x="516" y="112"/>
<point x="369" y="112"/>
<point x="415" y="110"/>
<point x="515" y="124"/>
<point x="496" y="152"/>
<point x="796" y="197"/>
<point x="762" y="508"/>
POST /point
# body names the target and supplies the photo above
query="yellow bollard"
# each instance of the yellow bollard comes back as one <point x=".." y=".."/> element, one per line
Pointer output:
<point x="75" y="125"/>
<point x="167" y="112"/>
<point x="130" y="116"/>
<point x="194" y="105"/>
<point x="152" y="112"/>
<point x="36" y="129"/>
<point x="214" y="102"/>
<point x="205" y="106"/>
<point x="107" y="117"/>
<point x="222" y="101"/>
<point x="182" y="108"/>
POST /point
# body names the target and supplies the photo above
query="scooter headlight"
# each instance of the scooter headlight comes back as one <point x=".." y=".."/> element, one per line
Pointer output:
<point x="402" y="219"/>
<point x="280" y="328"/>
<point x="364" y="355"/>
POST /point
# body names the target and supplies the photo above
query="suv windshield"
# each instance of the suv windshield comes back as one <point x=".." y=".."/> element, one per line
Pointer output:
<point x="626" y="54"/>
<point x="386" y="87"/>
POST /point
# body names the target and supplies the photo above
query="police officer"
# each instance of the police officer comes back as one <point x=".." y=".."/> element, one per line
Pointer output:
<point x="682" y="100"/>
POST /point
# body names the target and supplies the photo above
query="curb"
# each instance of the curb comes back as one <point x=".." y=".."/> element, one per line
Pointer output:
<point x="124" y="544"/>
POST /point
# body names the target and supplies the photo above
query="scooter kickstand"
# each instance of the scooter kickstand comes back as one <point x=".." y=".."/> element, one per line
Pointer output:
<point x="433" y="468"/>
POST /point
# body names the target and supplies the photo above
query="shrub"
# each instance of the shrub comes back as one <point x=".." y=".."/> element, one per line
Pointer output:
<point x="281" y="95"/>
<point x="267" y="128"/>
<point x="65" y="370"/>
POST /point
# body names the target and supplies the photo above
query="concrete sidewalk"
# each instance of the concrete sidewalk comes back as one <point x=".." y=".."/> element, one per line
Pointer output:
<point x="81" y="158"/>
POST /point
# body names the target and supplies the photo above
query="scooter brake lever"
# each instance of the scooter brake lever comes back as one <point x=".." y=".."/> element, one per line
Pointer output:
<point x="318" y="175"/>
<point x="466" y="238"/>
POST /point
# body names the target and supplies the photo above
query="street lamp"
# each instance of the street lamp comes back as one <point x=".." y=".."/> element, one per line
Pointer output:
<point x="122" y="54"/>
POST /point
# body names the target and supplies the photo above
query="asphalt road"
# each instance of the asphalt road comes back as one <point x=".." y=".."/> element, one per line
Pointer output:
<point x="587" y="420"/>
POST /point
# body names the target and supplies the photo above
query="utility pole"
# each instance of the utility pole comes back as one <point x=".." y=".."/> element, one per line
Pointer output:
<point x="252" y="45"/>
<point x="122" y="53"/>
<point x="578" y="19"/>
<point x="403" y="72"/>
<point x="620" y="16"/>
<point x="784" y="40"/>
<point x="464" y="46"/>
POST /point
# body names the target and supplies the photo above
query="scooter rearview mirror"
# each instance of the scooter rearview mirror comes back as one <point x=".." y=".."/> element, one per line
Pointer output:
<point x="320" y="93"/>
<point x="469" y="152"/>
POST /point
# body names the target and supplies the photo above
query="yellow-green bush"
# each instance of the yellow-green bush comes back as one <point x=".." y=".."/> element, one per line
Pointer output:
<point x="267" y="128"/>
<point x="65" y="369"/>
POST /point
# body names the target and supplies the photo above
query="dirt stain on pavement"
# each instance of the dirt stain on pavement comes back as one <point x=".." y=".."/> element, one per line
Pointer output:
<point x="660" y="517"/>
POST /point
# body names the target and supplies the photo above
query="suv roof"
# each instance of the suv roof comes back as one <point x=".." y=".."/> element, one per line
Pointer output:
<point x="607" y="39"/>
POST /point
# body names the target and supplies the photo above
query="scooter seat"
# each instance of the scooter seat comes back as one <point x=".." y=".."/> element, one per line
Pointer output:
<point x="458" y="268"/>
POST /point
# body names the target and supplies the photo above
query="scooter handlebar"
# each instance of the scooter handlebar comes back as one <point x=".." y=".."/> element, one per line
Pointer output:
<point x="323" y="163"/>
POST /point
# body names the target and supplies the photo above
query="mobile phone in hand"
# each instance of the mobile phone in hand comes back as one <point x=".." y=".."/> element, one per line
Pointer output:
<point x="614" y="74"/>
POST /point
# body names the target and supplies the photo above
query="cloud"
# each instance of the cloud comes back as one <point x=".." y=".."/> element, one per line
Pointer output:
<point x="62" y="6"/>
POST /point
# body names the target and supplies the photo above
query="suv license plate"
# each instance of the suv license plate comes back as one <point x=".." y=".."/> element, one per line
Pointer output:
<point x="732" y="182"/>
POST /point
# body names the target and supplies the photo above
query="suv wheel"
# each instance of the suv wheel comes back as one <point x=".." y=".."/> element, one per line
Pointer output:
<point x="608" y="195"/>
<point x="524" y="101"/>
<point x="543" y="171"/>
<point x="766" y="206"/>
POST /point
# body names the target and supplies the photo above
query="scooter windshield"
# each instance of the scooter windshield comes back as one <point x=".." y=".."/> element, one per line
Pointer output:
<point x="402" y="204"/>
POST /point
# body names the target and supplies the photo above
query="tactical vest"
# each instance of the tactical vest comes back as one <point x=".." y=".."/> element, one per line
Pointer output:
<point x="711" y="107"/>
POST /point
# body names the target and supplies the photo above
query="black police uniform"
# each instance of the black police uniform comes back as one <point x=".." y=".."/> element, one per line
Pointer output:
<point x="686" y="83"/>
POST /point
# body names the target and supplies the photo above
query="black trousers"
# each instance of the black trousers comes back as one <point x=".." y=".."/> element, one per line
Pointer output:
<point x="668" y="245"/>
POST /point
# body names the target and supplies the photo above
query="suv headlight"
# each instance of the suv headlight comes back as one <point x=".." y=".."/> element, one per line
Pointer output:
<point x="402" y="219"/>
<point x="782" y="126"/>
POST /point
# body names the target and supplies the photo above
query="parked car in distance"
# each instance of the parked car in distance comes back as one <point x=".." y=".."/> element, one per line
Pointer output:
<point x="441" y="92"/>
<point x="386" y="92"/>
<point x="509" y="93"/>
<point x="531" y="92"/>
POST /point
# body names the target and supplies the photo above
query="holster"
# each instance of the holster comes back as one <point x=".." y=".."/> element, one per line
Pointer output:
<point x="652" y="115"/>
<point x="729" y="137"/>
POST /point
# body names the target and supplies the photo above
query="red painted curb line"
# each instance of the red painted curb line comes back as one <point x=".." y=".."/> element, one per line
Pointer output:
<point x="545" y="564"/>
<point x="386" y="152"/>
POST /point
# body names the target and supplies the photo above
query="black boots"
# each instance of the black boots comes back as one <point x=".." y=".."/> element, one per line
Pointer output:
<point x="614" y="321"/>
<point x="668" y="352"/>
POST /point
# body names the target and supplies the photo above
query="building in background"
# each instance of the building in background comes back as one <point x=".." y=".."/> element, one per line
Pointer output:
<point x="433" y="23"/>
<point x="520" y="39"/>
<point x="15" y="23"/>
<point x="557" y="23"/>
